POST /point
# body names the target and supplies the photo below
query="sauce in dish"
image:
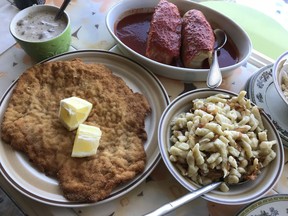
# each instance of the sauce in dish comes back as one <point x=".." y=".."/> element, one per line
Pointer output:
<point x="133" y="31"/>
<point x="40" y="26"/>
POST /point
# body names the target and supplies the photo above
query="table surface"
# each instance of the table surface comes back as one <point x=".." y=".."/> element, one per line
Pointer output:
<point x="89" y="32"/>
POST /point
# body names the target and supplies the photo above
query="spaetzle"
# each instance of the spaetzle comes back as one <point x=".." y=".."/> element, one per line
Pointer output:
<point x="221" y="138"/>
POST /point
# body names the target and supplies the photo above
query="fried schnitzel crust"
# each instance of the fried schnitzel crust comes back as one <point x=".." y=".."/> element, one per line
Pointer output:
<point x="31" y="125"/>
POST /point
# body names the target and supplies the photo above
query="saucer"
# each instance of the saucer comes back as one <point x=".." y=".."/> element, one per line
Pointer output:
<point x="261" y="91"/>
<point x="271" y="205"/>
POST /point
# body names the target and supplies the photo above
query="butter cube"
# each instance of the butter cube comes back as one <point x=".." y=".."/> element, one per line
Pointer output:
<point x="74" y="111"/>
<point x="86" y="141"/>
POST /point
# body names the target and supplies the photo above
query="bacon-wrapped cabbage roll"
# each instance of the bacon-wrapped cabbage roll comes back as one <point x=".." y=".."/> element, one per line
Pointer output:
<point x="197" y="39"/>
<point x="164" y="37"/>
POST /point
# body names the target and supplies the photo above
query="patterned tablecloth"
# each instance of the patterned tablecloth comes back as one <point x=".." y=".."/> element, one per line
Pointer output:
<point x="89" y="32"/>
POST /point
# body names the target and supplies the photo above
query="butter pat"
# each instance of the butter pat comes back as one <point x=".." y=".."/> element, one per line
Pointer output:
<point x="74" y="111"/>
<point x="86" y="141"/>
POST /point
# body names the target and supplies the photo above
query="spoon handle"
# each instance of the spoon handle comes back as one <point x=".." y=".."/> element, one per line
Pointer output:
<point x="62" y="8"/>
<point x="165" y="209"/>
<point x="214" y="76"/>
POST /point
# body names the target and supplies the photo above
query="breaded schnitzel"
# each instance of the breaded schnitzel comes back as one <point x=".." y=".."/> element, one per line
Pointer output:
<point x="31" y="125"/>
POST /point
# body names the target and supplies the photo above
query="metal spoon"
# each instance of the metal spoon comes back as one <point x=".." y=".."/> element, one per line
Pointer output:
<point x="165" y="209"/>
<point x="61" y="10"/>
<point x="214" y="78"/>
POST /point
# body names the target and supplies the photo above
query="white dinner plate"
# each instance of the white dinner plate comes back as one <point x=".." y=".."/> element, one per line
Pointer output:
<point x="23" y="176"/>
<point x="271" y="205"/>
<point x="261" y="90"/>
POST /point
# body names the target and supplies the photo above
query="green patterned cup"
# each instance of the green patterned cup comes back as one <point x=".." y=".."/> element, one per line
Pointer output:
<point x="40" y="38"/>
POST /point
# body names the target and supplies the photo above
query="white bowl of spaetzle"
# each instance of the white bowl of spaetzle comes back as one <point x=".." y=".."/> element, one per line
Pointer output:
<point x="210" y="135"/>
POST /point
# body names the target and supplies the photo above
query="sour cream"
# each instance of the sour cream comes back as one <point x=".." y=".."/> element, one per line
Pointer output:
<point x="284" y="81"/>
<point x="40" y="26"/>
